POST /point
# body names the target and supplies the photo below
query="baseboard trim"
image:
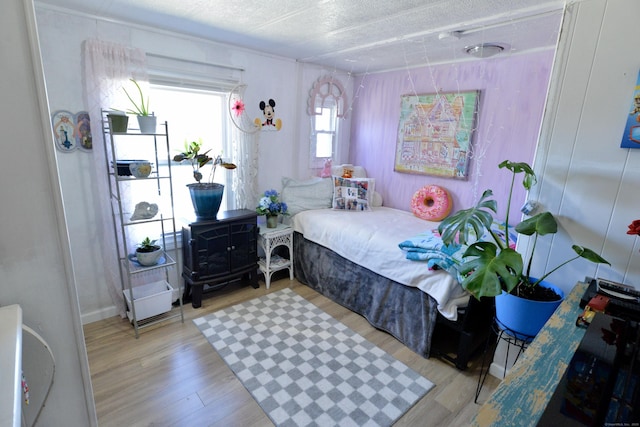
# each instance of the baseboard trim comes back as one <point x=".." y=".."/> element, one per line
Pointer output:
<point x="497" y="370"/>
<point x="94" y="316"/>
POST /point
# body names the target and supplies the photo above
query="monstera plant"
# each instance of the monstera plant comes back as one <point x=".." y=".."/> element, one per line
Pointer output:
<point x="492" y="267"/>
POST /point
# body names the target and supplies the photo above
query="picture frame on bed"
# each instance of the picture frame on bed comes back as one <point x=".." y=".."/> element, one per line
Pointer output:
<point x="435" y="132"/>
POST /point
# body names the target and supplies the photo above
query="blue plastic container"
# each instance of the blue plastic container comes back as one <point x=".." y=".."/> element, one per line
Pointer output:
<point x="523" y="318"/>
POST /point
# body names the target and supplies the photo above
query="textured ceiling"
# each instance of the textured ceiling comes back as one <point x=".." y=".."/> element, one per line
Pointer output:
<point x="354" y="35"/>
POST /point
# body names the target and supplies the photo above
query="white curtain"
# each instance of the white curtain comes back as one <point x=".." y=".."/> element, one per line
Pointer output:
<point x="245" y="138"/>
<point x="245" y="177"/>
<point x="107" y="67"/>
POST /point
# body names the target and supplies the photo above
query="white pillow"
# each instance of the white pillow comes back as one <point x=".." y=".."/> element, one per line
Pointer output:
<point x="353" y="194"/>
<point x="315" y="193"/>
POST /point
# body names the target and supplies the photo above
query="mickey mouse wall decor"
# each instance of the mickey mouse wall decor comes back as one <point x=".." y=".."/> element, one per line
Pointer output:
<point x="269" y="112"/>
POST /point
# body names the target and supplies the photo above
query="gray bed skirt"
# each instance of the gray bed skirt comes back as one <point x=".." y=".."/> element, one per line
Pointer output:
<point x="406" y="313"/>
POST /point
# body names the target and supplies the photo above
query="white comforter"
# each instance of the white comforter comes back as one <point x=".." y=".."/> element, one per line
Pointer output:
<point x="371" y="240"/>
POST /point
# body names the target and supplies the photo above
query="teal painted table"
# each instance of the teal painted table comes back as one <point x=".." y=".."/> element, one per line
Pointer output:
<point x="523" y="395"/>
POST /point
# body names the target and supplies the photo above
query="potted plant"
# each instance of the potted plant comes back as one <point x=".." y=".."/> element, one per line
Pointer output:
<point x="146" y="119"/>
<point x="118" y="121"/>
<point x="205" y="196"/>
<point x="492" y="267"/>
<point x="148" y="252"/>
<point x="271" y="206"/>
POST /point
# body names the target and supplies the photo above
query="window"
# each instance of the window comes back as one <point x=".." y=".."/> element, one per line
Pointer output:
<point x="323" y="133"/>
<point x="327" y="102"/>
<point x="193" y="114"/>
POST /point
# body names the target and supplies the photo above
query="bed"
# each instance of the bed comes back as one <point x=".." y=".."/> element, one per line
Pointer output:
<point x="354" y="258"/>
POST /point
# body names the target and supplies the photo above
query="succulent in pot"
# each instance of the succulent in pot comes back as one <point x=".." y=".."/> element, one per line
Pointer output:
<point x="148" y="252"/>
<point x="490" y="267"/>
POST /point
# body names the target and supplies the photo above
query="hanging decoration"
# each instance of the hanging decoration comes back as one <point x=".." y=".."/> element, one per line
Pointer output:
<point x="238" y="107"/>
<point x="237" y="111"/>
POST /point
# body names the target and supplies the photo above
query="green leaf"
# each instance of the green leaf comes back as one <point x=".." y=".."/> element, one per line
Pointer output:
<point x="542" y="223"/>
<point x="590" y="255"/>
<point x="488" y="271"/>
<point x="467" y="221"/>
<point x="529" y="179"/>
<point x="140" y="109"/>
<point x="202" y="159"/>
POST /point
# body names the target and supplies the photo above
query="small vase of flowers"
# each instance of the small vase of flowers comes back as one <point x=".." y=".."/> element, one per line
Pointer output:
<point x="271" y="206"/>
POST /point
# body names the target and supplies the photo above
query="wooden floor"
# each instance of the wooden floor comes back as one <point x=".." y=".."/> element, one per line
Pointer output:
<point x="171" y="376"/>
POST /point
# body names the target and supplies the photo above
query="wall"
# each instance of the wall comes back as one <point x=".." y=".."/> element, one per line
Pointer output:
<point x="512" y="95"/>
<point x="36" y="270"/>
<point x="282" y="153"/>
<point x="587" y="178"/>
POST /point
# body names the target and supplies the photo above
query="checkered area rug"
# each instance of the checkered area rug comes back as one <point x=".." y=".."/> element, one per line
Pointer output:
<point x="305" y="368"/>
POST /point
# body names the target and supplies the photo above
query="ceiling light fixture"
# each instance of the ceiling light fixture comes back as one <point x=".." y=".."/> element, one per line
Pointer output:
<point x="484" y="50"/>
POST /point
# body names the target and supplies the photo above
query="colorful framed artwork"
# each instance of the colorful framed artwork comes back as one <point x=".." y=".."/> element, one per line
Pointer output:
<point x="631" y="135"/>
<point x="435" y="132"/>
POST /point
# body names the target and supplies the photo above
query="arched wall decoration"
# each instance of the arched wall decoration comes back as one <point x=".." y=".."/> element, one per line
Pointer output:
<point x="327" y="87"/>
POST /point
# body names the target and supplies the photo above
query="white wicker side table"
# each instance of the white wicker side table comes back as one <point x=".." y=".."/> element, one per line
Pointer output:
<point x="269" y="239"/>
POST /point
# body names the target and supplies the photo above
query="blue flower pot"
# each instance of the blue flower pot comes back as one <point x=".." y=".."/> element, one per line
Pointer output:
<point x="523" y="318"/>
<point x="206" y="199"/>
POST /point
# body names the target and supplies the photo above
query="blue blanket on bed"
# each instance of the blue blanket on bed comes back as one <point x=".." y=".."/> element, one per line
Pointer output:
<point x="428" y="246"/>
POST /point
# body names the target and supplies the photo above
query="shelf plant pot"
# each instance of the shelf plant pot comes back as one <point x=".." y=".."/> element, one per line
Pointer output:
<point x="118" y="123"/>
<point x="147" y="124"/>
<point x="206" y="199"/>
<point x="148" y="258"/>
<point x="525" y="317"/>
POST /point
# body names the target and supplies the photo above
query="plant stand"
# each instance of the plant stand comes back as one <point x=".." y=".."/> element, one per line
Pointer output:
<point x="146" y="289"/>
<point x="500" y="333"/>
